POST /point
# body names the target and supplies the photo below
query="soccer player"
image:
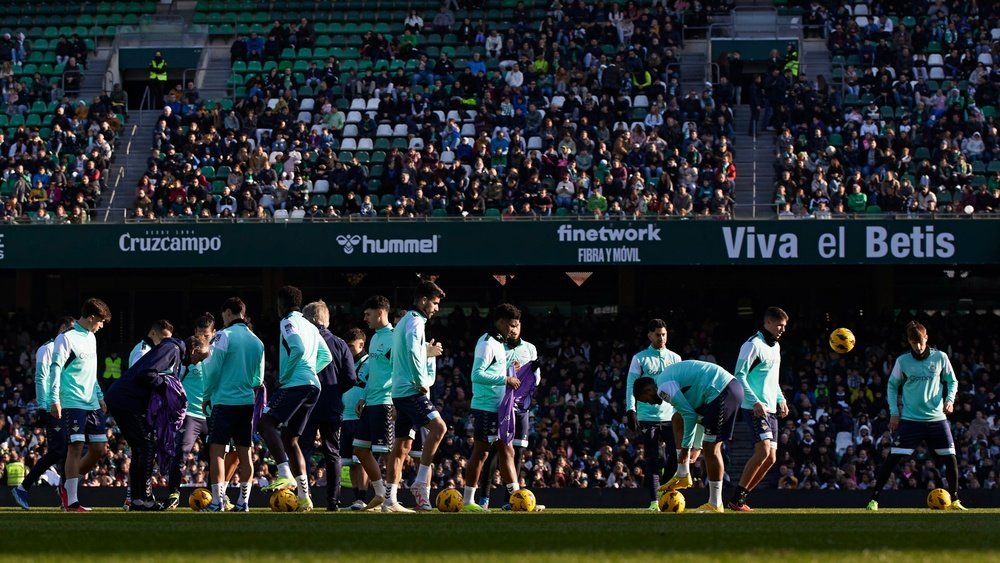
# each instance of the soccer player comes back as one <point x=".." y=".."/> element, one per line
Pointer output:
<point x="302" y="354"/>
<point x="376" y="417"/>
<point x="336" y="378"/>
<point x="757" y="371"/>
<point x="697" y="389"/>
<point x="55" y="445"/>
<point x="195" y="426"/>
<point x="652" y="421"/>
<point x="354" y="401"/>
<point x="929" y="386"/>
<point x="157" y="332"/>
<point x="520" y="352"/>
<point x="128" y="398"/>
<point x="411" y="381"/>
<point x="489" y="379"/>
<point x="76" y="399"/>
<point x="232" y="372"/>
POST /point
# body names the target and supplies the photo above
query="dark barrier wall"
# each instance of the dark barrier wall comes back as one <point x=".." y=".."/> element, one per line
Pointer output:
<point x="574" y="498"/>
<point x="496" y="243"/>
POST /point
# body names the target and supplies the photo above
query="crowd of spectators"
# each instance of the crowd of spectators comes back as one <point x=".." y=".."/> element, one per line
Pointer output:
<point x="906" y="122"/>
<point x="577" y="109"/>
<point x="55" y="148"/>
<point x="834" y="438"/>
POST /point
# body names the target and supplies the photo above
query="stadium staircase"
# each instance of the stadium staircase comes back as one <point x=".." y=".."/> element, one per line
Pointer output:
<point x="130" y="161"/>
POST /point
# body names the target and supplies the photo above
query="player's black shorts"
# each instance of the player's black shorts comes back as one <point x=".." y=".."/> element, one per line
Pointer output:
<point x="655" y="432"/>
<point x="82" y="425"/>
<point x="911" y="433"/>
<point x="375" y="429"/>
<point x="348" y="429"/>
<point x="412" y="413"/>
<point x="485" y="426"/>
<point x="291" y="407"/>
<point x="231" y="423"/>
<point x="762" y="428"/>
<point x="55" y="438"/>
<point x="719" y="414"/>
<point x="522" y="428"/>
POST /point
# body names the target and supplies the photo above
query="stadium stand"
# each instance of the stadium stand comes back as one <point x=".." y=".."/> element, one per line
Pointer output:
<point x="834" y="438"/>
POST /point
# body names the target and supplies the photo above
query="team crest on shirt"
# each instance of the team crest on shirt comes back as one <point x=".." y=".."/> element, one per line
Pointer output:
<point x="664" y="396"/>
<point x="289" y="328"/>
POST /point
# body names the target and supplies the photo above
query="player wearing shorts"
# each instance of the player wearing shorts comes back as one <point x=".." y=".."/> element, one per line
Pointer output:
<point x="411" y="380"/>
<point x="354" y="400"/>
<point x="55" y="446"/>
<point x="75" y="398"/>
<point x="489" y="380"/>
<point x="653" y="422"/>
<point x="232" y="372"/>
<point x="375" y="425"/>
<point x="757" y="371"/>
<point x="697" y="389"/>
<point x="929" y="386"/>
<point x="302" y="353"/>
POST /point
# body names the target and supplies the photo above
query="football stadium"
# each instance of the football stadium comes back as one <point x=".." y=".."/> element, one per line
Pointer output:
<point x="615" y="280"/>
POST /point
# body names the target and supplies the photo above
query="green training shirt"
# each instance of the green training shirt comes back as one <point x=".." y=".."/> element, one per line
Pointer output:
<point x="74" y="370"/>
<point x="757" y="371"/>
<point x="927" y="384"/>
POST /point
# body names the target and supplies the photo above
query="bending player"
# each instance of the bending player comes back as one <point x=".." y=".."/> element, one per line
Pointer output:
<point x="929" y="387"/>
<point x="757" y="371"/>
<point x="490" y="377"/>
<point x="694" y="389"/>
<point x="652" y="421"/>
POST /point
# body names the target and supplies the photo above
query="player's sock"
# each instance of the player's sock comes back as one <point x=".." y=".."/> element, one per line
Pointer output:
<point x="422" y="473"/>
<point x="683" y="468"/>
<point x="218" y="490"/>
<point x="740" y="496"/>
<point x="284" y="470"/>
<point x="470" y="495"/>
<point x="303" y="481"/>
<point x="715" y="493"/>
<point x="951" y="471"/>
<point x="512" y="487"/>
<point x="71" y="490"/>
<point x="379" y="487"/>
<point x="884" y="473"/>
<point x="244" y="494"/>
<point x="393" y="488"/>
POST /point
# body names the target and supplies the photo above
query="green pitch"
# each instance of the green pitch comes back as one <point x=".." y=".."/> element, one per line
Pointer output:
<point x="563" y="535"/>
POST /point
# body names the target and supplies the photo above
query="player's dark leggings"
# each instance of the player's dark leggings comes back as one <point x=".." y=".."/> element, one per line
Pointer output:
<point x="652" y="435"/>
<point x="141" y="438"/>
<point x="893" y="460"/>
<point x="490" y="468"/>
<point x="50" y="458"/>
<point x="193" y="429"/>
<point x="328" y="424"/>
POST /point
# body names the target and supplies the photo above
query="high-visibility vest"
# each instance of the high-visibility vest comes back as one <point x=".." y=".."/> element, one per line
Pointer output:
<point x="158" y="71"/>
<point x="112" y="368"/>
<point x="15" y="473"/>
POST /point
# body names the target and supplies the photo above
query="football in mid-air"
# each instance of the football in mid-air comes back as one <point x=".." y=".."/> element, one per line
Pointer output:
<point x="523" y="500"/>
<point x="449" y="500"/>
<point x="842" y="340"/>
<point x="672" y="501"/>
<point x="938" y="499"/>
<point x="200" y="498"/>
<point x="284" y="501"/>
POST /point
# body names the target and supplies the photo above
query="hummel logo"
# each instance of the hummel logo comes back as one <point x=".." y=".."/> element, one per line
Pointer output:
<point x="349" y="242"/>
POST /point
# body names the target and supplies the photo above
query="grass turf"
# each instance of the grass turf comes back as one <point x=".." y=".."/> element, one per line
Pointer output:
<point x="581" y="535"/>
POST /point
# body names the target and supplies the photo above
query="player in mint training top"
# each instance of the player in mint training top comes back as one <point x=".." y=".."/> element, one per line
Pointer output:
<point x="411" y="381"/>
<point x="354" y="401"/>
<point x="374" y="434"/>
<point x="75" y="398"/>
<point x="195" y="426"/>
<point x="157" y="332"/>
<point x="302" y="353"/>
<point x="697" y="389"/>
<point x="55" y="446"/>
<point x="653" y="422"/>
<point x="490" y="378"/>
<point x="928" y="385"/>
<point x="757" y="371"/>
<point x="232" y="373"/>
